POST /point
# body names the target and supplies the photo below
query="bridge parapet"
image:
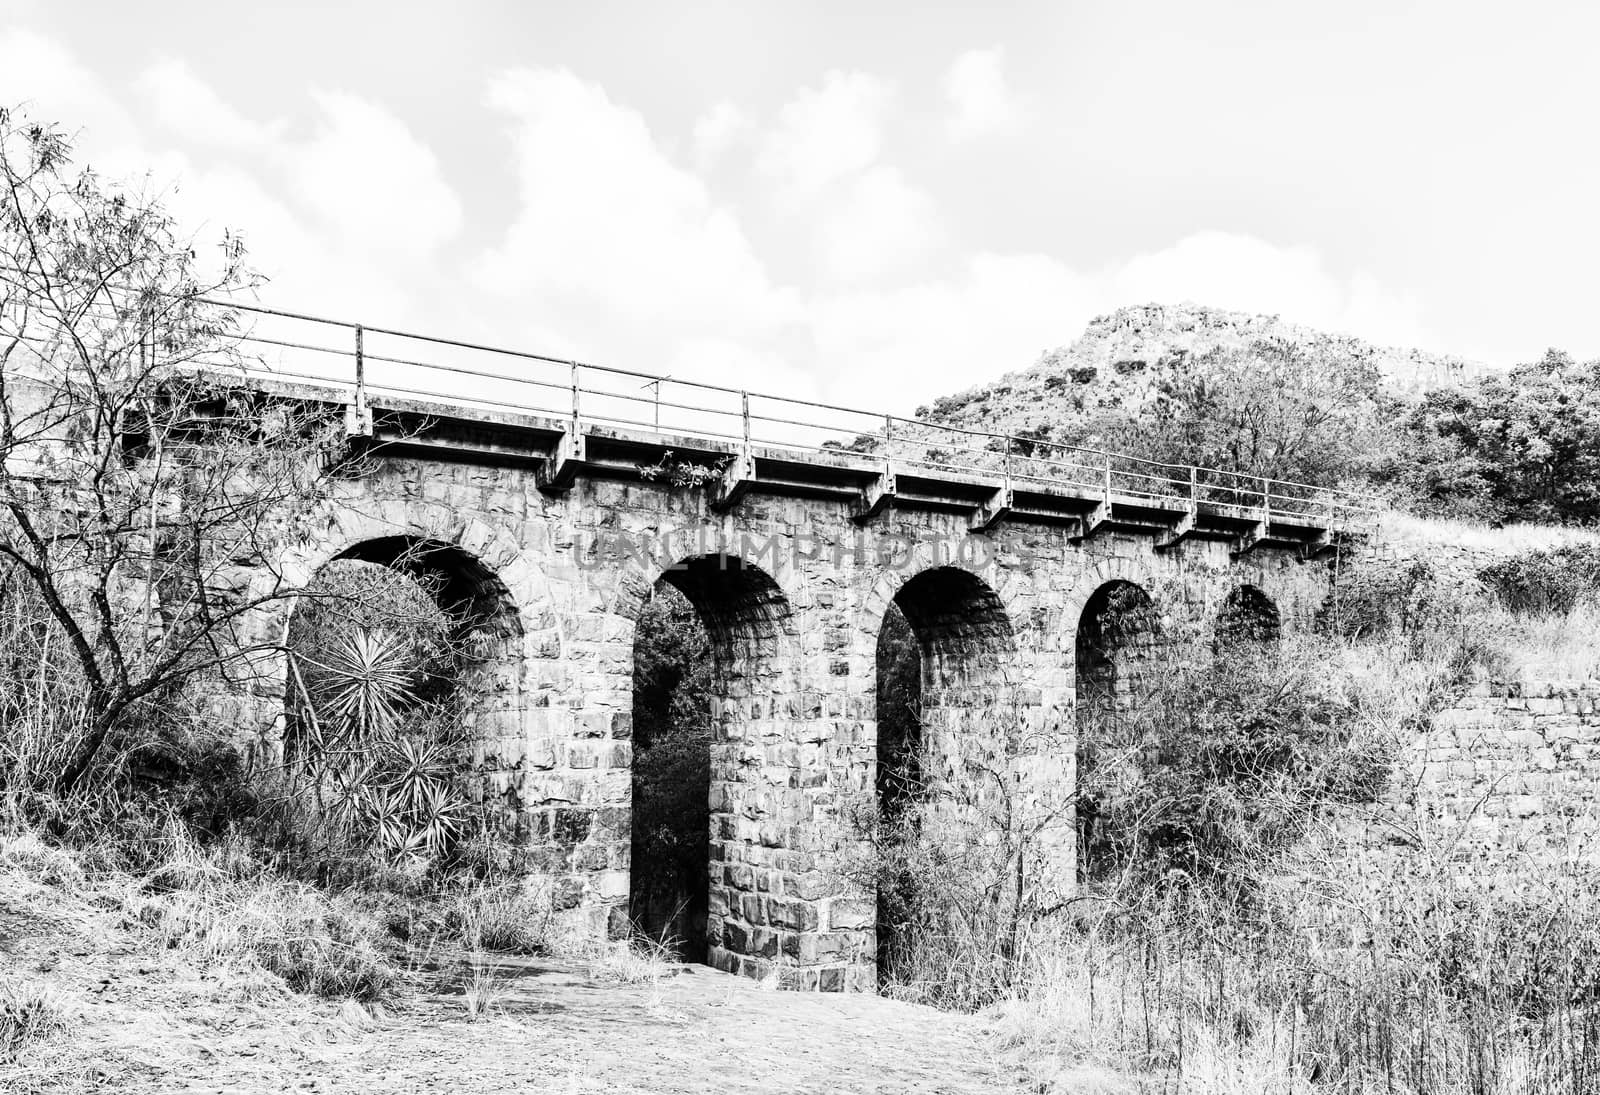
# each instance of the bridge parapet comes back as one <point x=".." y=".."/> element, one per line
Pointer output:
<point x="418" y="393"/>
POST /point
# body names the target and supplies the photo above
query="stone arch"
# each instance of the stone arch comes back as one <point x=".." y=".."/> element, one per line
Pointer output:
<point x="961" y="721"/>
<point x="1002" y="583"/>
<point x="1116" y="647"/>
<point x="767" y="765"/>
<point x="968" y="647"/>
<point x="1118" y="569"/>
<point x="1117" y="627"/>
<point x="972" y="633"/>
<point x="1247" y="614"/>
<point x="493" y="549"/>
<point x="470" y="593"/>
<point x="499" y="600"/>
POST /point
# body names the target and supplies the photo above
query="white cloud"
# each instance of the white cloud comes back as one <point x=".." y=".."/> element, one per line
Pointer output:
<point x="902" y="346"/>
<point x="881" y="225"/>
<point x="189" y="107"/>
<point x="716" y="131"/>
<point x="981" y="101"/>
<point x="342" y="222"/>
<point x="368" y="177"/>
<point x="825" y="134"/>
<point x="822" y="156"/>
<point x="45" y="78"/>
<point x="611" y="239"/>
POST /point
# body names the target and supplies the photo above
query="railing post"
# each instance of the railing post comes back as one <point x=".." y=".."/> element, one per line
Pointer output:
<point x="744" y="400"/>
<point x="574" y="395"/>
<point x="361" y="371"/>
<point x="358" y="415"/>
<point x="1194" y="487"/>
<point x="1266" y="497"/>
<point x="1108" y="478"/>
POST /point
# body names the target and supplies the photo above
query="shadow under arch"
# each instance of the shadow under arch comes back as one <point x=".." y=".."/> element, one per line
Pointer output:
<point x="944" y="654"/>
<point x="966" y="644"/>
<point x="944" y="691"/>
<point x="1115" y="650"/>
<point x="754" y="702"/>
<point x="1247" y="614"/>
<point x="464" y="587"/>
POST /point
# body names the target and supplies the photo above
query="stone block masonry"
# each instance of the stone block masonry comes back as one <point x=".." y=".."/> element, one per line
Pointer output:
<point x="549" y="585"/>
<point x="1513" y="766"/>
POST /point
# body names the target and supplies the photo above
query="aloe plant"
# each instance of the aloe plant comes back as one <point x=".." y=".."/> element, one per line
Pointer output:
<point x="368" y="681"/>
<point x="365" y="742"/>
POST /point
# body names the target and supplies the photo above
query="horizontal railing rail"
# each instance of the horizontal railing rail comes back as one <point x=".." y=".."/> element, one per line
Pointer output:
<point x="366" y="361"/>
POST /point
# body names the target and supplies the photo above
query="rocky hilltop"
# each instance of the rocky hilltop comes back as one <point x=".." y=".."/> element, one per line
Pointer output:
<point x="1120" y="358"/>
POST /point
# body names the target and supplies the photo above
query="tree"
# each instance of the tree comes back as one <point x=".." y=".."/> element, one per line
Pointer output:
<point x="1265" y="409"/>
<point x="140" y="486"/>
<point x="1528" y="440"/>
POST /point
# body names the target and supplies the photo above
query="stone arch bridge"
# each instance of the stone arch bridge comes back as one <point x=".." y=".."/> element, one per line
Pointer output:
<point x="548" y="531"/>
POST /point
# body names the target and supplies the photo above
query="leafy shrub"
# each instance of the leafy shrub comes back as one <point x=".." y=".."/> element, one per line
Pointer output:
<point x="1440" y="620"/>
<point x="1381" y="596"/>
<point x="948" y="913"/>
<point x="1266" y="408"/>
<point x="1534" y="954"/>
<point x="1549" y="582"/>
<point x="1230" y="762"/>
<point x="681" y="473"/>
<point x="961" y="861"/>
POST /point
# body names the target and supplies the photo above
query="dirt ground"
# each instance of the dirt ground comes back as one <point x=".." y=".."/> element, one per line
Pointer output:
<point x="146" y="1021"/>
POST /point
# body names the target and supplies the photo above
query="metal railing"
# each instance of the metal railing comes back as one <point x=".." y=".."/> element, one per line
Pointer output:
<point x="379" y="361"/>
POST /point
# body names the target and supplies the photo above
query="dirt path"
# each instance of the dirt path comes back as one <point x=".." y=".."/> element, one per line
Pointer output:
<point x="148" y="1022"/>
<point x="554" y="1029"/>
<point x="698" y="1031"/>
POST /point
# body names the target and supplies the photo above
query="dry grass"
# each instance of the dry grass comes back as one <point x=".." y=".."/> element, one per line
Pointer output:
<point x="225" y="911"/>
<point x="484" y="990"/>
<point x="505" y="918"/>
<point x="30" y="1011"/>
<point x="631" y="962"/>
<point x="26" y="853"/>
<point x="1091" y="1010"/>
<point x="1355" y="965"/>
<point x="1393" y="978"/>
<point x="1404" y="529"/>
<point x="1553" y="647"/>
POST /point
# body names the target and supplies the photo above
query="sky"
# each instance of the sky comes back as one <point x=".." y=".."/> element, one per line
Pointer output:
<point x="866" y="204"/>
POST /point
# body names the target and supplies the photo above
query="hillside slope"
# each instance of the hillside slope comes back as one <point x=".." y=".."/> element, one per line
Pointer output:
<point x="1120" y="359"/>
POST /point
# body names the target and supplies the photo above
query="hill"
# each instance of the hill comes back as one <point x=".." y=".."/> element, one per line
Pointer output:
<point x="1120" y="359"/>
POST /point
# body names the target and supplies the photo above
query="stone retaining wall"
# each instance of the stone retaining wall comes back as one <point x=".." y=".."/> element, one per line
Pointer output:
<point x="1513" y="766"/>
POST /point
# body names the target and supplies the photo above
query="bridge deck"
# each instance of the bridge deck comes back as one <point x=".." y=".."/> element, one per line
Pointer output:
<point x="907" y="472"/>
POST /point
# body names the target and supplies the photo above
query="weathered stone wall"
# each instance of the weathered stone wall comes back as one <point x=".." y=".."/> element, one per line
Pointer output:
<point x="561" y="581"/>
<point x="1511" y="767"/>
